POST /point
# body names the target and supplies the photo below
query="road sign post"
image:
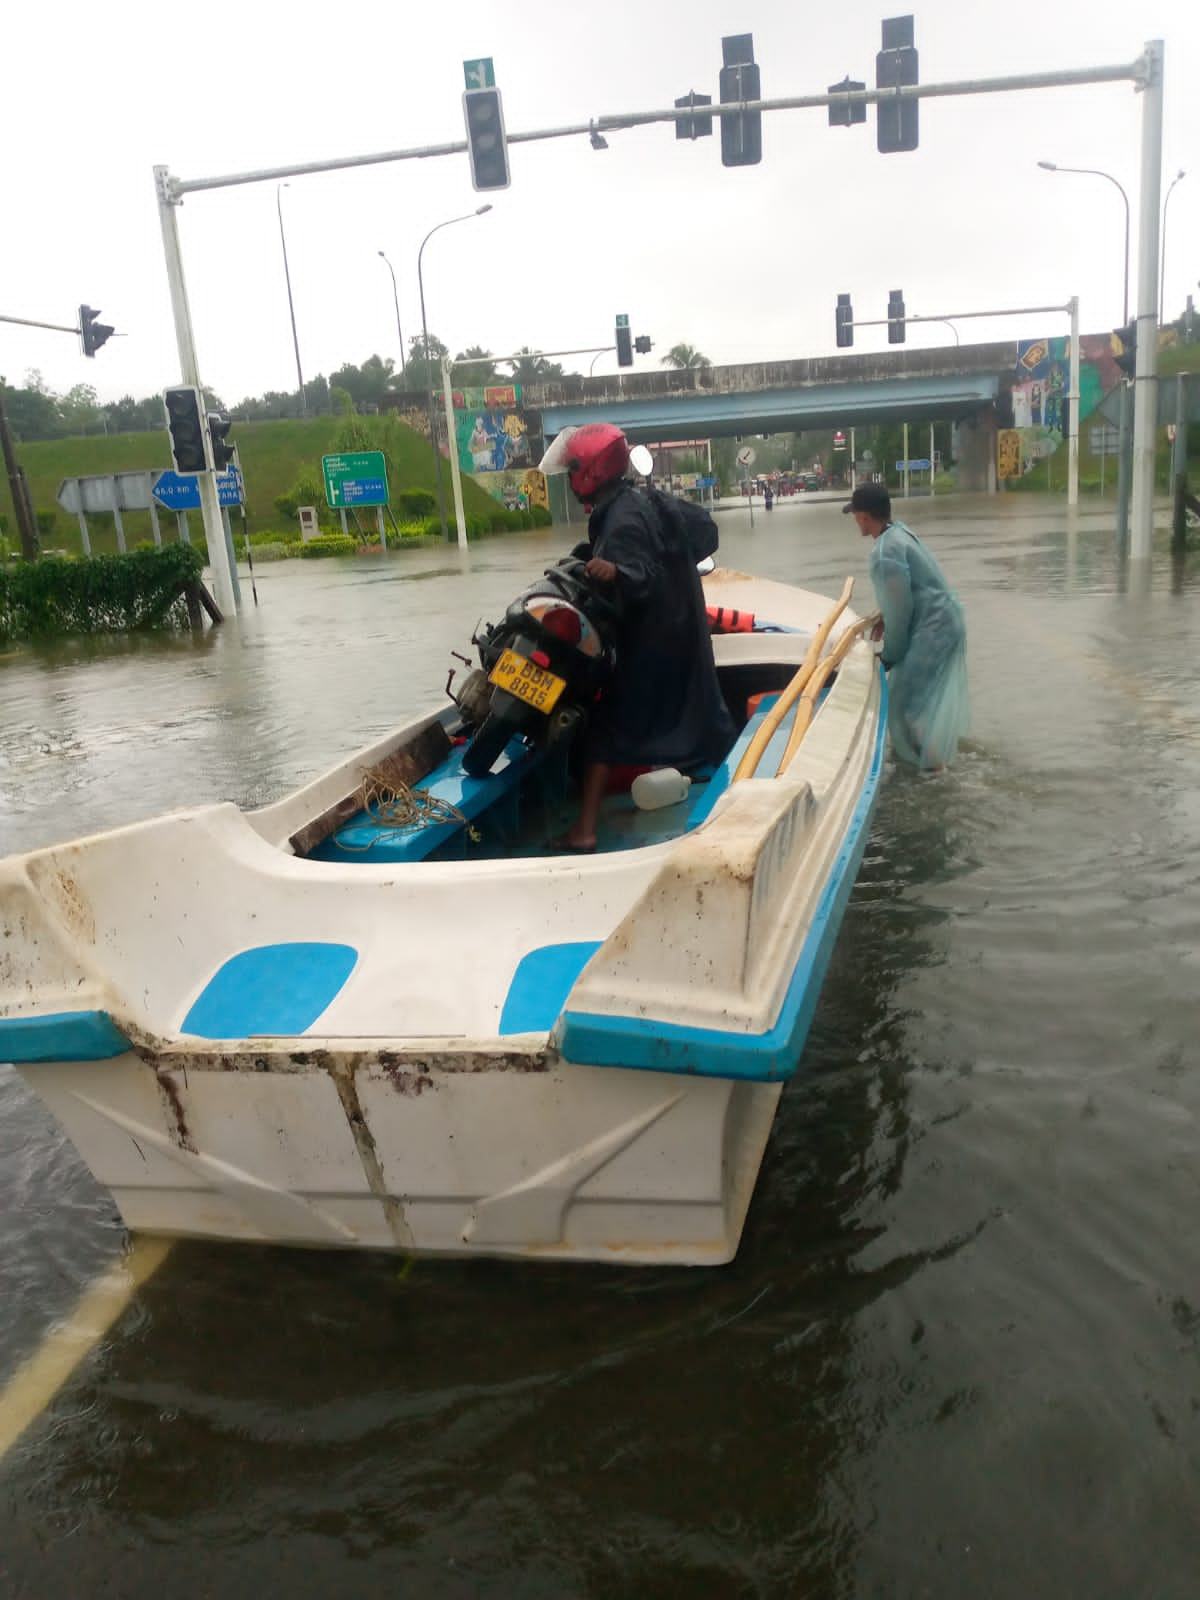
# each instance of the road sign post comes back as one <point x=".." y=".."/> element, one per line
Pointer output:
<point x="357" y="478"/>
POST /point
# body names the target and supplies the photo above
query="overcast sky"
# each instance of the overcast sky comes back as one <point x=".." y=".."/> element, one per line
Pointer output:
<point x="745" y="263"/>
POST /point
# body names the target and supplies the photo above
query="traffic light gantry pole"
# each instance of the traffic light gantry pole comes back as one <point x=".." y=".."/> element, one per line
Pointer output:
<point x="1146" y="72"/>
<point x="1071" y="309"/>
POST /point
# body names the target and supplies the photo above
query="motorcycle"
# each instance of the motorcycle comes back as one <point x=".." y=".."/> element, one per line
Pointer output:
<point x="541" y="667"/>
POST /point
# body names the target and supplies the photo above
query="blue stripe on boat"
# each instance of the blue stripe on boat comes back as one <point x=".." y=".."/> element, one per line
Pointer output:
<point x="64" y="1036"/>
<point x="272" y="989"/>
<point x="540" y="985"/>
<point x="601" y="1041"/>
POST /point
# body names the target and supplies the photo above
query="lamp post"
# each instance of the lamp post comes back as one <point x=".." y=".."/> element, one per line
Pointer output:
<point x="1162" y="274"/>
<point x="396" y="301"/>
<point x="1124" y="449"/>
<point x="437" y="455"/>
<point x="279" y="187"/>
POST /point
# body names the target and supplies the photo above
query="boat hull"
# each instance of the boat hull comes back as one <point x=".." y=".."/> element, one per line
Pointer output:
<point x="513" y="1154"/>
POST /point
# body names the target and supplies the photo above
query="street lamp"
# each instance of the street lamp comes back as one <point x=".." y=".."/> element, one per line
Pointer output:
<point x="1092" y="172"/>
<point x="1125" y="446"/>
<point x="396" y="300"/>
<point x="1162" y="276"/>
<point x="279" y="187"/>
<point x="437" y="455"/>
<point x="948" y="324"/>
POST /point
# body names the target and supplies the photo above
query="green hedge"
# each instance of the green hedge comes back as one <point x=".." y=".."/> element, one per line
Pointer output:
<point x="329" y="544"/>
<point x="415" y="503"/>
<point x="274" y="536"/>
<point x="106" y="594"/>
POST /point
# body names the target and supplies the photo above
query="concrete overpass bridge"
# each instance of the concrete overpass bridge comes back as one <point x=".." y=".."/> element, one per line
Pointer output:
<point x="963" y="384"/>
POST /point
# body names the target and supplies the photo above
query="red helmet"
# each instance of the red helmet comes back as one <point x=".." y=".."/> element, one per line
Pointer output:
<point x="597" y="454"/>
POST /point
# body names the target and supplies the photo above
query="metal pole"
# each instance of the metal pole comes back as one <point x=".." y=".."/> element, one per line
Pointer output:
<point x="1179" y="467"/>
<point x="1162" y="271"/>
<point x="83" y="534"/>
<point x="396" y="302"/>
<point x="853" y="471"/>
<point x="1145" y="389"/>
<point x="210" y="508"/>
<point x="437" y="455"/>
<point x="26" y="527"/>
<point x="1071" y="77"/>
<point x="237" y="582"/>
<point x="291" y="308"/>
<point x="904" y="490"/>
<point x="117" y="523"/>
<point x="433" y="439"/>
<point x="455" y="467"/>
<point x="931" y="468"/>
<point x="1073" y="400"/>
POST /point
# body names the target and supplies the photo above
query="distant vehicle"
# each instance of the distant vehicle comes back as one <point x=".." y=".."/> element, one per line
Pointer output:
<point x="812" y="484"/>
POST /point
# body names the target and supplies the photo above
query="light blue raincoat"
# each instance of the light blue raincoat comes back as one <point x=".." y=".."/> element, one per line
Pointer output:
<point x="924" y="645"/>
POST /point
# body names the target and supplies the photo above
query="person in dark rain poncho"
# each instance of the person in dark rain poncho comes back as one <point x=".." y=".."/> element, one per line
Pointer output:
<point x="663" y="705"/>
<point x="924" y="636"/>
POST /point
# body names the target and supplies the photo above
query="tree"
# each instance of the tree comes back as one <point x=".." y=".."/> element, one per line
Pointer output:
<point x="685" y="356"/>
<point x="366" y="385"/>
<point x="529" y="367"/>
<point x="478" y="369"/>
<point x="424" y="367"/>
<point x="80" y="410"/>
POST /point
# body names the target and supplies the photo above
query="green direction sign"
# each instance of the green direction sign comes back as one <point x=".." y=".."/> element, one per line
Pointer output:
<point x="622" y="320"/>
<point x="356" y="479"/>
<point x="479" y="74"/>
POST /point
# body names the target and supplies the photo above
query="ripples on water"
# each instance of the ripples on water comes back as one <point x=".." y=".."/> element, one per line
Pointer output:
<point x="960" y="1348"/>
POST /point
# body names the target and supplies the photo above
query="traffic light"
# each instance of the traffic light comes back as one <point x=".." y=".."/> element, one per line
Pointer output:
<point x="693" y="127"/>
<point x="624" y="342"/>
<point x="1127" y="358"/>
<point x="486" y="143"/>
<point x="897" y="330"/>
<point x="846" y="116"/>
<point x="844" y="322"/>
<point x="92" y="334"/>
<point x="185" y="424"/>
<point x="741" y="135"/>
<point x="643" y="344"/>
<point x="896" y="67"/>
<point x="222" y="453"/>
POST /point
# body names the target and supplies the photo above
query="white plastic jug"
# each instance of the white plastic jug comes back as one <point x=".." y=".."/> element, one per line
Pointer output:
<point x="662" y="787"/>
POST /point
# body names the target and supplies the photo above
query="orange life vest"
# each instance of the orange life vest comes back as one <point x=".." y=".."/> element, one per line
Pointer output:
<point x="724" y="619"/>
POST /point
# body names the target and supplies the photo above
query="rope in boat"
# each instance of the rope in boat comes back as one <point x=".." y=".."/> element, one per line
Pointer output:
<point x="390" y="803"/>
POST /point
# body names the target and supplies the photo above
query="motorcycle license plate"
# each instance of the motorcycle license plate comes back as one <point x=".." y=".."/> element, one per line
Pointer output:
<point x="527" y="681"/>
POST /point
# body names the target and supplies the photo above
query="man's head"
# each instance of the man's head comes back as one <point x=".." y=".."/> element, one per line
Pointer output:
<point x="872" y="508"/>
<point x="594" y="456"/>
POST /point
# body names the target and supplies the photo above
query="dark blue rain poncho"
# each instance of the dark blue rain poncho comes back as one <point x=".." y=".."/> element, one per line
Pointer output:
<point x="924" y="645"/>
<point x="663" y="705"/>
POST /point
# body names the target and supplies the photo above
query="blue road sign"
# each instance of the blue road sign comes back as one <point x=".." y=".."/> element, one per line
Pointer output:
<point x="913" y="466"/>
<point x="364" y="491"/>
<point x="179" y="491"/>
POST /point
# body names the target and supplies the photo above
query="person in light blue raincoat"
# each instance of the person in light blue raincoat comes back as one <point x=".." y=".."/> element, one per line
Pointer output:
<point x="924" y="636"/>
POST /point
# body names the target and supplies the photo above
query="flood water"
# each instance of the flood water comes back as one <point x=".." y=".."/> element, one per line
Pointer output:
<point x="959" y="1351"/>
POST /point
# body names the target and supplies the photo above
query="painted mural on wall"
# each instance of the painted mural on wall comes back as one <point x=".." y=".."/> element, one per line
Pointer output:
<point x="1042" y="380"/>
<point x="500" y="444"/>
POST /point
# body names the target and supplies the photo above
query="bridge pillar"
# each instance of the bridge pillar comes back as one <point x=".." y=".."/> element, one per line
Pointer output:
<point x="975" y="452"/>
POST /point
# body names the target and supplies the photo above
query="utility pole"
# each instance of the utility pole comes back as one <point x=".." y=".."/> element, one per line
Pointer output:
<point x="18" y="488"/>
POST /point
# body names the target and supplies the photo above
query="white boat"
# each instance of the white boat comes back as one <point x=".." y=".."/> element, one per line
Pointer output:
<point x="298" y="1025"/>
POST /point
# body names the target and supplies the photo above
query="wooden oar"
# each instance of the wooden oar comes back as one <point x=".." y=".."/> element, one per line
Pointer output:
<point x="748" y="765"/>
<point x="808" y="700"/>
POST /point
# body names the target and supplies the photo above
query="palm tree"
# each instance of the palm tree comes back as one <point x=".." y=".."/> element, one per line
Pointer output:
<point x="480" y="373"/>
<point x="529" y="367"/>
<point x="682" y="356"/>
